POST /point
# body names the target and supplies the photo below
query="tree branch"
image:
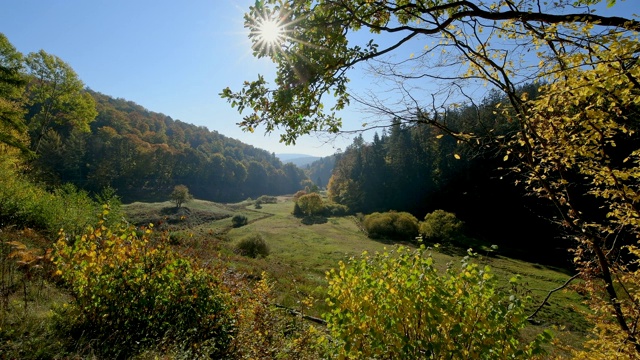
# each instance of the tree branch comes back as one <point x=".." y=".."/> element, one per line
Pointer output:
<point x="530" y="317"/>
<point x="298" y="313"/>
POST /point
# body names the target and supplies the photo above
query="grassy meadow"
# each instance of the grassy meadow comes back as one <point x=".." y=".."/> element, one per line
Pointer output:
<point x="301" y="252"/>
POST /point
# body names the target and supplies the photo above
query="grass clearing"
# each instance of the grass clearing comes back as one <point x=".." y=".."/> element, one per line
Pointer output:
<point x="301" y="254"/>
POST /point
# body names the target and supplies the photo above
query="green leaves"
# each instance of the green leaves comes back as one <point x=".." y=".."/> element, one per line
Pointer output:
<point x="12" y="86"/>
<point x="131" y="294"/>
<point x="398" y="305"/>
<point x="58" y="94"/>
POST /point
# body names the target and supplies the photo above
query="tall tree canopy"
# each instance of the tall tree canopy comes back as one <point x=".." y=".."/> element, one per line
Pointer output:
<point x="57" y="98"/>
<point x="463" y="40"/>
<point x="575" y="143"/>
<point x="12" y="85"/>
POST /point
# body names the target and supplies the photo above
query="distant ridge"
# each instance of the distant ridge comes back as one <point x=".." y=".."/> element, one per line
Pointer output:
<point x="299" y="160"/>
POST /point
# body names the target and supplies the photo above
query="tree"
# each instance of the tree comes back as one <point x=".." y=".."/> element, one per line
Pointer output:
<point x="307" y="74"/>
<point x="310" y="204"/>
<point x="12" y="85"/>
<point x="57" y="98"/>
<point x="575" y="143"/>
<point x="180" y="195"/>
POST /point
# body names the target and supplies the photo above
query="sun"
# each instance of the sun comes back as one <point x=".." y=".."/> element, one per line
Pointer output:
<point x="270" y="32"/>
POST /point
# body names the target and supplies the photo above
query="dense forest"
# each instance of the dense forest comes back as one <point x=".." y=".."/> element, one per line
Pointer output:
<point x="320" y="170"/>
<point x="419" y="168"/>
<point x="143" y="155"/>
<point x="71" y="134"/>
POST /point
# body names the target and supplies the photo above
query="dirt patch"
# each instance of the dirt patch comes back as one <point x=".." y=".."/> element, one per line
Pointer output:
<point x="173" y="218"/>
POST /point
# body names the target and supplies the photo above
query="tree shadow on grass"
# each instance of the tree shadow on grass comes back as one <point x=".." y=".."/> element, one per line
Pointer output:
<point x="311" y="220"/>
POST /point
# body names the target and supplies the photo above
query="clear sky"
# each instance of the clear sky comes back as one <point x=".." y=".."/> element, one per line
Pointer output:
<point x="169" y="56"/>
<point x="172" y="57"/>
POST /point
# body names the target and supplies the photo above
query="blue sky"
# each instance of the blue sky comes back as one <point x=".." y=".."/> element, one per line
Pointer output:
<point x="172" y="57"/>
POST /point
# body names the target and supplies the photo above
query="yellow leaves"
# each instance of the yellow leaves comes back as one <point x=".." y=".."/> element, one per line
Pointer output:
<point x="389" y="303"/>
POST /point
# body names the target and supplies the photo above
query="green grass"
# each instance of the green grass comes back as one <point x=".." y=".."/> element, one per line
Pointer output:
<point x="142" y="209"/>
<point x="300" y="255"/>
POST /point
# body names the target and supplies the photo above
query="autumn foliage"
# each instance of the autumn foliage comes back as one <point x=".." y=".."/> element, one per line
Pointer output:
<point x="132" y="292"/>
<point x="398" y="305"/>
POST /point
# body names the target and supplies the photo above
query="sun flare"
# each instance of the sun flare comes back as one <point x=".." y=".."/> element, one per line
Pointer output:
<point x="270" y="32"/>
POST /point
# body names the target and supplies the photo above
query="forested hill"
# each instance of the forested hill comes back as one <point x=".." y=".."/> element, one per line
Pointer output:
<point x="320" y="170"/>
<point x="144" y="154"/>
<point x="417" y="168"/>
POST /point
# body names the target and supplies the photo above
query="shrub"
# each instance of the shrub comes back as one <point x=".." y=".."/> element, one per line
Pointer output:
<point x="26" y="204"/>
<point x="442" y="226"/>
<point x="253" y="246"/>
<point x="298" y="194"/>
<point x="175" y="238"/>
<point x="297" y="211"/>
<point x="391" y="225"/>
<point x="130" y="295"/>
<point x="264" y="199"/>
<point x="239" y="220"/>
<point x="396" y="305"/>
<point x="334" y="209"/>
<point x="267" y="332"/>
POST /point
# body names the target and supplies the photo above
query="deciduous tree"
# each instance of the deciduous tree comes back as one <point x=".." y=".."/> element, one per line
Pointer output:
<point x="180" y="195"/>
<point x="12" y="85"/>
<point x="56" y="96"/>
<point x="310" y="204"/>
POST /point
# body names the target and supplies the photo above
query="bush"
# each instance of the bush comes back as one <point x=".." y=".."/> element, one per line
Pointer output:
<point x="264" y="199"/>
<point x="297" y="211"/>
<point x="239" y="220"/>
<point x="334" y="209"/>
<point x="253" y="246"/>
<point x="175" y="238"/>
<point x="130" y="295"/>
<point x="267" y="332"/>
<point x="26" y="204"/>
<point x="298" y="194"/>
<point x="396" y="305"/>
<point x="391" y="225"/>
<point x="442" y="226"/>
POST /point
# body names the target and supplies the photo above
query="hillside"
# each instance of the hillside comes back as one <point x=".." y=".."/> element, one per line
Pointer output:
<point x="143" y="155"/>
<point x="320" y="170"/>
